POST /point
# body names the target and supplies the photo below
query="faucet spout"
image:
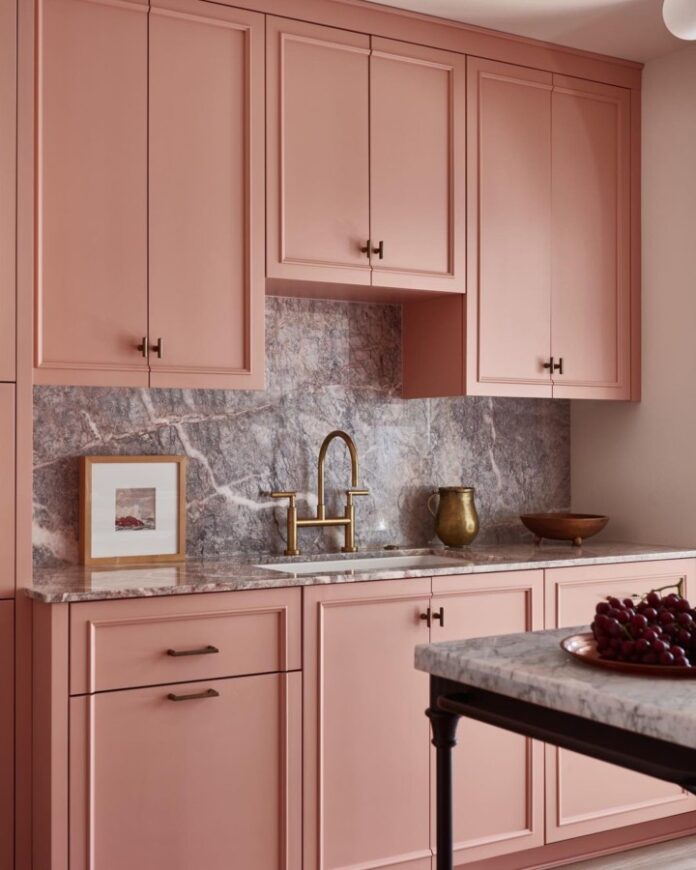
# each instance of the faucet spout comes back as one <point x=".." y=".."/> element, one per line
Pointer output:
<point x="352" y="449"/>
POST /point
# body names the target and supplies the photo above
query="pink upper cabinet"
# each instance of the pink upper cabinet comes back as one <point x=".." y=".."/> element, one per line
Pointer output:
<point x="7" y="492"/>
<point x="591" y="299"/>
<point x="417" y="202"/>
<point x="509" y="208"/>
<point x="206" y="195"/>
<point x="317" y="153"/>
<point x="91" y="191"/>
<point x="8" y="106"/>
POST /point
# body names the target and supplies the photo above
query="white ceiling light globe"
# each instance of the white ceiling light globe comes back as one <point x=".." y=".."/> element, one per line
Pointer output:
<point x="680" y="18"/>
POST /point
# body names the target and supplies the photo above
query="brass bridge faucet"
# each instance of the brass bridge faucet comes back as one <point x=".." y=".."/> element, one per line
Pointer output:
<point x="347" y="520"/>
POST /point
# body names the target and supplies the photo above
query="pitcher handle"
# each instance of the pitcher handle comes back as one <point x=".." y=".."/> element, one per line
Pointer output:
<point x="430" y="498"/>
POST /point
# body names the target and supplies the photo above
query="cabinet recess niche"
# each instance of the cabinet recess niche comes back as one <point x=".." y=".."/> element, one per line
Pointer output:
<point x="549" y="305"/>
<point x="150" y="194"/>
<point x="365" y="187"/>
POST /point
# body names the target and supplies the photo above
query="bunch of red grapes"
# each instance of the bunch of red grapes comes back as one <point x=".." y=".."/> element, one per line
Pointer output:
<point x="651" y="630"/>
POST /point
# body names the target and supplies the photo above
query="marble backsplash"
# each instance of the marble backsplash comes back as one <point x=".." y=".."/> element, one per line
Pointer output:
<point x="329" y="365"/>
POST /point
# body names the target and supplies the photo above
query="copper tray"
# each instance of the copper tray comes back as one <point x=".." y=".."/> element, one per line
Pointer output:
<point x="583" y="648"/>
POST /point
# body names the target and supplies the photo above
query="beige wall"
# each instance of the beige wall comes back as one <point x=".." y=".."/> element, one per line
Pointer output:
<point x="637" y="463"/>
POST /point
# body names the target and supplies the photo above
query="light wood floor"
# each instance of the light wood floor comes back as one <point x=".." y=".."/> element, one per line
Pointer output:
<point x="677" y="855"/>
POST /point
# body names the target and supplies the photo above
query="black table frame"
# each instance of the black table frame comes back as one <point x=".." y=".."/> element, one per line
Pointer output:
<point x="449" y="701"/>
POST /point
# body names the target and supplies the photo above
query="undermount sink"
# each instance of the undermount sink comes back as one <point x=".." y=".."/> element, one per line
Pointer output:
<point x="377" y="563"/>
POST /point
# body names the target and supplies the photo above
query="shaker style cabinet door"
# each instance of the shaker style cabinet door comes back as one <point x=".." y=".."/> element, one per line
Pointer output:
<point x="417" y="167"/>
<point x="317" y="128"/>
<point x="206" y="196"/>
<point x="584" y="796"/>
<point x="6" y="735"/>
<point x="509" y="230"/>
<point x="8" y="108"/>
<point x="498" y="776"/>
<point x="366" y="738"/>
<point x="91" y="192"/>
<point x="591" y="298"/>
<point x="7" y="491"/>
<point x="210" y="782"/>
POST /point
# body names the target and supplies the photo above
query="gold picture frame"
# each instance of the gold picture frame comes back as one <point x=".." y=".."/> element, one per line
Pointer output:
<point x="128" y="511"/>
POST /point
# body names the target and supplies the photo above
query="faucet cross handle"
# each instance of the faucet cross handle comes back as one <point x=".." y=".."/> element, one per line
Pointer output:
<point x="286" y="494"/>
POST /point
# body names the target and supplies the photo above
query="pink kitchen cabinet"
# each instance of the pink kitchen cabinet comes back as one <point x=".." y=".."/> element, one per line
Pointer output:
<point x="417" y="178"/>
<point x="206" y="196"/>
<point x="7" y="490"/>
<point x="365" y="179"/>
<point x="317" y="127"/>
<point x="552" y="302"/>
<point x="6" y="734"/>
<point x="91" y="192"/>
<point x="591" y="207"/>
<point x="366" y="738"/>
<point x="212" y="782"/>
<point x="584" y="796"/>
<point x="498" y="776"/>
<point x="8" y="148"/>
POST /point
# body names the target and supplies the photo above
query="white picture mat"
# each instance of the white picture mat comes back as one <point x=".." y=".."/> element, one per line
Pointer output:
<point x="107" y="477"/>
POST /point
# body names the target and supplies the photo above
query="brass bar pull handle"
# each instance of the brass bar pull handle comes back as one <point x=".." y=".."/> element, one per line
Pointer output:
<point x="549" y="365"/>
<point x="157" y="348"/>
<point x="439" y="616"/>
<point x="142" y="347"/>
<point x="199" y="651"/>
<point x="366" y="249"/>
<point x="559" y="365"/>
<point x="379" y="250"/>
<point x="208" y="693"/>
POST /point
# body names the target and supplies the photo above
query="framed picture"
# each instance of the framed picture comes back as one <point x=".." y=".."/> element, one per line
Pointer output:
<point x="132" y="509"/>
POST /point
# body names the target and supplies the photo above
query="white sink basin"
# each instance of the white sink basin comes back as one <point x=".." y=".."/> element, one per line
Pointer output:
<point x="377" y="563"/>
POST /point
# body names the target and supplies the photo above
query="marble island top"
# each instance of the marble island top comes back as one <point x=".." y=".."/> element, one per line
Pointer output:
<point x="78" y="583"/>
<point x="532" y="667"/>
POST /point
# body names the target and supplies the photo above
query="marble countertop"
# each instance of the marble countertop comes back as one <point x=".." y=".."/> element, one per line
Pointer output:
<point x="532" y="667"/>
<point x="78" y="583"/>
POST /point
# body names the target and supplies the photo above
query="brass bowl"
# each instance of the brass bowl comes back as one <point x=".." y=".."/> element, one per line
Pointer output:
<point x="564" y="526"/>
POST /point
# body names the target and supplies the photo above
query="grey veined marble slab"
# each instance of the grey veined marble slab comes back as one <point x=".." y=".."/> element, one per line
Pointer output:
<point x="532" y="667"/>
<point x="77" y="583"/>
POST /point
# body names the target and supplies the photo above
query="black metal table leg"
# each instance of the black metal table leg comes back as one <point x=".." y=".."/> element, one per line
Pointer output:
<point x="444" y="727"/>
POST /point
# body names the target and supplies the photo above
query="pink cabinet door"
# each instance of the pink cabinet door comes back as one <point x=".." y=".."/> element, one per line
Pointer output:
<point x="206" y="195"/>
<point x="366" y="760"/>
<point x="210" y="782"/>
<point x="317" y="127"/>
<point x="584" y="796"/>
<point x="6" y="734"/>
<point x="591" y="297"/>
<point x="498" y="776"/>
<point x="417" y="166"/>
<point x="91" y="191"/>
<point x="509" y="229"/>
<point x="7" y="490"/>
<point x="8" y="107"/>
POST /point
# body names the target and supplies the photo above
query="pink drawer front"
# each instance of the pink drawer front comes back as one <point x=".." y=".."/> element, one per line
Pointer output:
<point x="150" y="641"/>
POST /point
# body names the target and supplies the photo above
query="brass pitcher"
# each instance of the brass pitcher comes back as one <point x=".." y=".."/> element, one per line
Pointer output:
<point x="456" y="520"/>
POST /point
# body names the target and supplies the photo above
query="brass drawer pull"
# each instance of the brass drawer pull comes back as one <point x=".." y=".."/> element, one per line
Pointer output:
<point x="379" y="250"/>
<point x="142" y="347"/>
<point x="208" y="693"/>
<point x="429" y="616"/>
<point x="559" y="366"/>
<point x="158" y="348"/>
<point x="549" y="365"/>
<point x="200" y="651"/>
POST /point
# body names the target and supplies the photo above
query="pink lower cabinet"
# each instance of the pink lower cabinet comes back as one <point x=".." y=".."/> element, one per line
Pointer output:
<point x="366" y="759"/>
<point x="6" y="734"/>
<point x="585" y="796"/>
<point x="184" y="776"/>
<point x="7" y="493"/>
<point x="498" y="776"/>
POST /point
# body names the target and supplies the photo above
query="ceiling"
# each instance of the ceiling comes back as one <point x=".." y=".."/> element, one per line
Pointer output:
<point x="630" y="29"/>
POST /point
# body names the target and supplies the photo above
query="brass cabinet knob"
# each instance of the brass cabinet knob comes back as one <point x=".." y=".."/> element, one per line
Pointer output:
<point x="142" y="347"/>
<point x="559" y="366"/>
<point x="366" y="249"/>
<point x="157" y="348"/>
<point x="549" y="365"/>
<point x="379" y="250"/>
